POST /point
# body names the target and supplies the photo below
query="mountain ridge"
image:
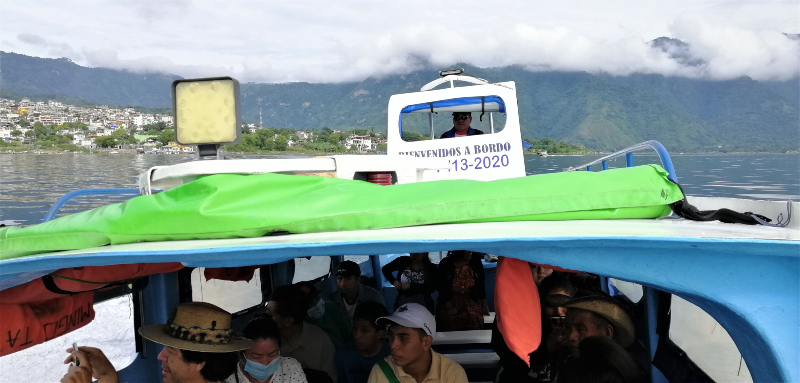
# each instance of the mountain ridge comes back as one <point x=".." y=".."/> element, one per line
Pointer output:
<point x="600" y="111"/>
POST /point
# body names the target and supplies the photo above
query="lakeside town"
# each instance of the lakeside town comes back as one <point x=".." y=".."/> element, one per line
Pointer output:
<point x="53" y="126"/>
<point x="60" y="126"/>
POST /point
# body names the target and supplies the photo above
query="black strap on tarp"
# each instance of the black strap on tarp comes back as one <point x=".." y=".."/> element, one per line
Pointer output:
<point x="688" y="211"/>
<point x="483" y="109"/>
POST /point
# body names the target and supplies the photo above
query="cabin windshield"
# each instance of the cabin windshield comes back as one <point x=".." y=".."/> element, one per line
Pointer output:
<point x="431" y="120"/>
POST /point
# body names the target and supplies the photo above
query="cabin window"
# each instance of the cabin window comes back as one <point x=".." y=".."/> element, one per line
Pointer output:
<point x="416" y="120"/>
<point x="230" y="296"/>
<point x="706" y="343"/>
<point x="309" y="269"/>
<point x="112" y="330"/>
<point x="630" y="290"/>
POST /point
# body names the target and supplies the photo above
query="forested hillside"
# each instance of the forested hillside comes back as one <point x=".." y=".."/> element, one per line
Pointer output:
<point x="599" y="111"/>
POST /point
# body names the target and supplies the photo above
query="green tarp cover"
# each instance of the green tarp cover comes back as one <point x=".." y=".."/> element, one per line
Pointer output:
<point x="235" y="206"/>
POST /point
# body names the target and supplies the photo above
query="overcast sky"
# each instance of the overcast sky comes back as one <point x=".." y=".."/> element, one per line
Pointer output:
<point x="349" y="40"/>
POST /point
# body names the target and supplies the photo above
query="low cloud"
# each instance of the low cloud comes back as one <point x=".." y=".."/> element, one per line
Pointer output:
<point x="295" y="42"/>
<point x="710" y="51"/>
<point x="30" y="38"/>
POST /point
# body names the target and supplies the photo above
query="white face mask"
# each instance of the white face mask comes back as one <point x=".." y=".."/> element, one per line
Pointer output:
<point x="318" y="310"/>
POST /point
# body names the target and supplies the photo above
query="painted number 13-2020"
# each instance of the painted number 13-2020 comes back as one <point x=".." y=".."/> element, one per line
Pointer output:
<point x="485" y="162"/>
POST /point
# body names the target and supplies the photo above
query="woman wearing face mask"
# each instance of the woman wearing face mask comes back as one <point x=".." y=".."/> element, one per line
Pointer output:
<point x="262" y="362"/>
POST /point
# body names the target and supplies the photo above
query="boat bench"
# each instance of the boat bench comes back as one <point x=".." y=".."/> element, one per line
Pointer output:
<point x="472" y="350"/>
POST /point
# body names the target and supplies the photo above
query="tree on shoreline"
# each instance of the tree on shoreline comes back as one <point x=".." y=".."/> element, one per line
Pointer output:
<point x="105" y="141"/>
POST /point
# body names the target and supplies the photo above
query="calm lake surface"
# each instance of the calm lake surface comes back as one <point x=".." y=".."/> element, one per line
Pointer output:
<point x="31" y="183"/>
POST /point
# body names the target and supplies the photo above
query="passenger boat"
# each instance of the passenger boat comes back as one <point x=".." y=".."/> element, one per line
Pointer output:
<point x="712" y="301"/>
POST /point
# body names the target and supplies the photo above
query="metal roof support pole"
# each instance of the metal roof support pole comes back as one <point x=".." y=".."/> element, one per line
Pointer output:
<point x="430" y="124"/>
<point x="491" y="121"/>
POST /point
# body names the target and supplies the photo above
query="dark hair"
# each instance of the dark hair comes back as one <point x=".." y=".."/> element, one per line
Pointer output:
<point x="426" y="259"/>
<point x="601" y="360"/>
<point x="218" y="365"/>
<point x="309" y="290"/>
<point x="458" y="253"/>
<point x="262" y="328"/>
<point x="291" y="302"/>
<point x="556" y="281"/>
<point x="370" y="311"/>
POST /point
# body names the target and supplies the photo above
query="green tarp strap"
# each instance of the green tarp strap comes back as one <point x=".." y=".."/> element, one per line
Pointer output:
<point x="387" y="370"/>
<point x="236" y="206"/>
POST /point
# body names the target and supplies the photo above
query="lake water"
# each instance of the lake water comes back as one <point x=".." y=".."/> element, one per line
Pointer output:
<point x="31" y="183"/>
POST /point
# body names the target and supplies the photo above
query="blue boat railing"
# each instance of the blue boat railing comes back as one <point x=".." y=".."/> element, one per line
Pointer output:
<point x="61" y="201"/>
<point x="666" y="161"/>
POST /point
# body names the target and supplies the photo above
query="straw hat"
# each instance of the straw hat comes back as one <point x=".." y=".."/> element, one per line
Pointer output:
<point x="611" y="310"/>
<point x="197" y="326"/>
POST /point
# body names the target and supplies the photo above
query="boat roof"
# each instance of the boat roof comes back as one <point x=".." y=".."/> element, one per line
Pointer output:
<point x="494" y="238"/>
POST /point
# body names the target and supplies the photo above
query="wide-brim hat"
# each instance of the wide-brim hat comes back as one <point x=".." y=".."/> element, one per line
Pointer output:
<point x="611" y="310"/>
<point x="197" y="326"/>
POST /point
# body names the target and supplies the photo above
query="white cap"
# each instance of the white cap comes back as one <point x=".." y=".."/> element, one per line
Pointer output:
<point x="412" y="315"/>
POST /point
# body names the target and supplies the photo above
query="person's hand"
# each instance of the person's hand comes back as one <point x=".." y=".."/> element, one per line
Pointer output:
<point x="397" y="284"/>
<point x="81" y="373"/>
<point x="405" y="285"/>
<point x="97" y="362"/>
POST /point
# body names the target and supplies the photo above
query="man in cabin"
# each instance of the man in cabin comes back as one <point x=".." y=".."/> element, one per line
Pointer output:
<point x="411" y="331"/>
<point x="461" y="126"/>
<point x="199" y="348"/>
<point x="351" y="291"/>
<point x="596" y="315"/>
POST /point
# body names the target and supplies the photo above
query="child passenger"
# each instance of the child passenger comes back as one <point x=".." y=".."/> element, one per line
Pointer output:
<point x="355" y="360"/>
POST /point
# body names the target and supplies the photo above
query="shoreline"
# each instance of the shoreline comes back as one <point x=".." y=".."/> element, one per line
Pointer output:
<point x="20" y="150"/>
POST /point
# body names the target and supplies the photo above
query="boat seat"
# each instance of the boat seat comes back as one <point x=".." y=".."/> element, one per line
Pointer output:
<point x="474" y="360"/>
<point x="463" y="337"/>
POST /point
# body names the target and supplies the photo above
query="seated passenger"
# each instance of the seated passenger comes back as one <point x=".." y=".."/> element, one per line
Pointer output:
<point x="415" y="280"/>
<point x="199" y="348"/>
<point x="601" y="360"/>
<point x="553" y="292"/>
<point x="411" y="331"/>
<point x="351" y="291"/>
<point x="461" y="126"/>
<point x="263" y="361"/>
<point x="355" y="360"/>
<point x="462" y="292"/>
<point x="327" y="316"/>
<point x="539" y="273"/>
<point x="597" y="315"/>
<point x="305" y="342"/>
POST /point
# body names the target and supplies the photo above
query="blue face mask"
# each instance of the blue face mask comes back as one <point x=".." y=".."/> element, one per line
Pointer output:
<point x="261" y="372"/>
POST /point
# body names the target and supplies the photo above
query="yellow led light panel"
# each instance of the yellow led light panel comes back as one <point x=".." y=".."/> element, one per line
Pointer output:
<point x="205" y="112"/>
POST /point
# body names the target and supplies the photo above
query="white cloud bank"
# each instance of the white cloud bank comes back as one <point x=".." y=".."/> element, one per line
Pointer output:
<point x="351" y="40"/>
